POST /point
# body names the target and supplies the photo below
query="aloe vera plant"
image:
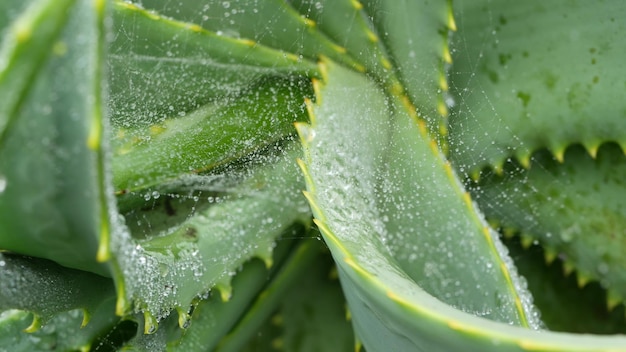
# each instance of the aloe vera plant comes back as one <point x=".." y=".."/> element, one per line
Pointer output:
<point x="312" y="175"/>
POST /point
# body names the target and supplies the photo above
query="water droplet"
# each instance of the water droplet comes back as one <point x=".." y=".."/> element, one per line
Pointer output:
<point x="3" y="184"/>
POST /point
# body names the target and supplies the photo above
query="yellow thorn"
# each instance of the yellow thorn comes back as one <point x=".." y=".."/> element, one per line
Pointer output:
<point x="104" y="250"/>
<point x="358" y="345"/>
<point x="396" y="88"/>
<point x="508" y="232"/>
<point x="451" y="21"/>
<point x="559" y="154"/>
<point x="592" y="149"/>
<point x="582" y="279"/>
<point x="524" y="160"/>
<point x="23" y="31"/>
<point x="550" y="255"/>
<point x="447" y="58"/>
<point x="613" y="299"/>
<point x="34" y="325"/>
<point x="442" y="109"/>
<point x="156" y="130"/>
<point x="348" y="314"/>
<point x="268" y="262"/>
<point x="150" y="324"/>
<point x="317" y="89"/>
<point x="86" y="318"/>
<point x="443" y="82"/>
<point x="309" y="22"/>
<point x="356" y="4"/>
<point x="443" y="128"/>
<point x="434" y="147"/>
<point x="475" y="175"/>
<point x="121" y="304"/>
<point x="421" y="124"/>
<point x="277" y="320"/>
<point x="184" y="319"/>
<point x="278" y="343"/>
<point x="386" y="64"/>
<point x="568" y="268"/>
<point x="226" y="292"/>
<point x="309" y="108"/>
<point x="371" y="36"/>
<point x="99" y="5"/>
<point x="359" y="68"/>
<point x="526" y="241"/>
<point x="498" y="167"/>
<point x="195" y="28"/>
<point x="338" y="48"/>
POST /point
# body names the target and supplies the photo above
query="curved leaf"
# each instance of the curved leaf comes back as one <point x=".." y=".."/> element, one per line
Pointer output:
<point x="379" y="199"/>
<point x="174" y="261"/>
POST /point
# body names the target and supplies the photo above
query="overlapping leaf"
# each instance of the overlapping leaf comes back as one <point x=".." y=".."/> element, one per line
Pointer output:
<point x="546" y="202"/>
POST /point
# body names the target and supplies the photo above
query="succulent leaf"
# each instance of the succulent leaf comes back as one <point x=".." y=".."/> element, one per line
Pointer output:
<point x="528" y="76"/>
<point x="366" y="243"/>
<point x="546" y="202"/>
<point x="53" y="147"/>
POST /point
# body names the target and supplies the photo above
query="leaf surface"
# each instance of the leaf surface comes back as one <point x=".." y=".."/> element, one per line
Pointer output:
<point x="273" y="23"/>
<point x="176" y="258"/>
<point x="386" y="228"/>
<point x="51" y="156"/>
<point x="164" y="68"/>
<point x="527" y="75"/>
<point x="546" y="203"/>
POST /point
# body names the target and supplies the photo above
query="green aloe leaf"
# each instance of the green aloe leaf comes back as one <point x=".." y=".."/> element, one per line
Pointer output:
<point x="415" y="33"/>
<point x="45" y="288"/>
<point x="546" y="201"/>
<point x="177" y="258"/>
<point x="27" y="44"/>
<point x="51" y="156"/>
<point x="384" y="239"/>
<point x="164" y="68"/>
<point x="62" y="332"/>
<point x="211" y="136"/>
<point x="312" y="315"/>
<point x="273" y="23"/>
<point x="47" y="306"/>
<point x="564" y="305"/>
<point x="271" y="297"/>
<point x="528" y="75"/>
<point x="347" y="24"/>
